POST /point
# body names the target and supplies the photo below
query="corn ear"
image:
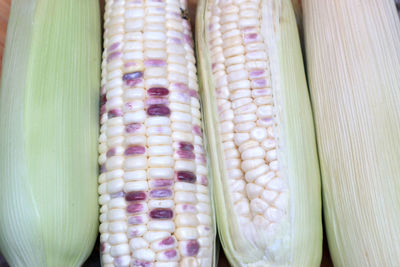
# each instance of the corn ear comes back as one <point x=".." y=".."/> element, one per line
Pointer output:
<point x="353" y="58"/>
<point x="265" y="215"/>
<point x="49" y="128"/>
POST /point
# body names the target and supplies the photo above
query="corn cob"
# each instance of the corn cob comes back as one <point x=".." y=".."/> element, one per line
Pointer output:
<point x="353" y="59"/>
<point x="49" y="127"/>
<point x="156" y="206"/>
<point x="260" y="133"/>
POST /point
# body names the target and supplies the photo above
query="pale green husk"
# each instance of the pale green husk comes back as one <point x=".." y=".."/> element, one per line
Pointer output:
<point x="300" y="242"/>
<point x="353" y="58"/>
<point x="48" y="132"/>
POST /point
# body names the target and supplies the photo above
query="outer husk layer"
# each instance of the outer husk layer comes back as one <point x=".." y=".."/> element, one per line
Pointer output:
<point x="49" y="128"/>
<point x="299" y="154"/>
<point x="353" y="58"/>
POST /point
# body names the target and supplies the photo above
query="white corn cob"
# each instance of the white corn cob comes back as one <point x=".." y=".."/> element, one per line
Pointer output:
<point x="263" y="155"/>
<point x="156" y="206"/>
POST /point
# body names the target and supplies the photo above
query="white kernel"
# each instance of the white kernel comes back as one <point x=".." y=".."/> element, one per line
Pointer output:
<point x="136" y="186"/>
<point x="136" y="163"/>
<point x="274" y="215"/>
<point x="241" y="102"/>
<point x="257" y="172"/>
<point x="251" y="164"/>
<point x="265" y="111"/>
<point x="181" y="186"/>
<point x="237" y="186"/>
<point x="247" y="145"/>
<point x="181" y="126"/>
<point x="118" y="227"/>
<point x="160" y="150"/>
<point x="204" y="219"/>
<point x="253" y="190"/>
<point x="115" y="162"/>
<point x="135" y="93"/>
<point x="242" y="118"/>
<point x="136" y="139"/>
<point x="258" y="206"/>
<point x="269" y="196"/>
<point x="159" y="130"/>
<point x="235" y="174"/>
<point x="227" y="115"/>
<point x="185" y="165"/>
<point x="135" y="117"/>
<point x="182" y="220"/>
<point x="164" y="203"/>
<point x="119" y="250"/>
<point x="160" y="173"/>
<point x="107" y="259"/>
<point x="242" y="207"/>
<point x="103" y="228"/>
<point x="253" y="153"/>
<point x="103" y="199"/>
<point x="186" y="233"/>
<point x="116" y="239"/>
<point x="227" y="127"/>
<point x="160" y="225"/>
<point x="158" y="140"/>
<point x="157" y="121"/>
<point x="185" y="197"/>
<point x="115" y="186"/>
<point x="268" y="144"/>
<point x="116" y="215"/>
<point x="245" y="127"/>
<point x="144" y="255"/>
<point x="271" y="155"/>
<point x="118" y="202"/>
<point x="281" y="202"/>
<point x="135" y="175"/>
<point x="166" y="264"/>
<point x="165" y="161"/>
<point x="274" y="165"/>
<point x="122" y="261"/>
<point x="260" y="221"/>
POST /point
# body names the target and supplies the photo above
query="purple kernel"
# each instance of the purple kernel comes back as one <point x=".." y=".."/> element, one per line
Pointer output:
<point x="132" y="76"/>
<point x="102" y="110"/>
<point x="192" y="247"/>
<point x="118" y="194"/>
<point x="131" y="128"/>
<point x="158" y="91"/>
<point x="134" y="208"/>
<point x="140" y="263"/>
<point x="162" y="183"/>
<point x="185" y="154"/>
<point x="113" y="56"/>
<point x="197" y="130"/>
<point x="130" y="64"/>
<point x="115" y="113"/>
<point x="185" y="146"/>
<point x="160" y="193"/>
<point x="135" y="219"/>
<point x="110" y="152"/>
<point x="213" y="66"/>
<point x="204" y="180"/>
<point x="256" y="73"/>
<point x="179" y="87"/>
<point x="135" y="150"/>
<point x="189" y="208"/>
<point x="188" y="40"/>
<point x="134" y="82"/>
<point x="103" y="99"/>
<point x="170" y="253"/>
<point x="103" y="168"/>
<point x="168" y="241"/>
<point x="186" y="176"/>
<point x="155" y="63"/>
<point x="251" y="37"/>
<point x="262" y="92"/>
<point x="102" y="247"/>
<point x="259" y="83"/>
<point x="161" y="213"/>
<point x="175" y="40"/>
<point x="135" y="196"/>
<point x="113" y="46"/>
<point x="158" y="110"/>
<point x="193" y="93"/>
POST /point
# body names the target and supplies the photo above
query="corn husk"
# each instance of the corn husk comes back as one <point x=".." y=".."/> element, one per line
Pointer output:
<point x="49" y="128"/>
<point x="353" y="59"/>
<point x="299" y="243"/>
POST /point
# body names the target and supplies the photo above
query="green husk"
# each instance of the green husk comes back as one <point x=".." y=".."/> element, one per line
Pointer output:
<point x="353" y="59"/>
<point x="48" y="132"/>
<point x="300" y="242"/>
